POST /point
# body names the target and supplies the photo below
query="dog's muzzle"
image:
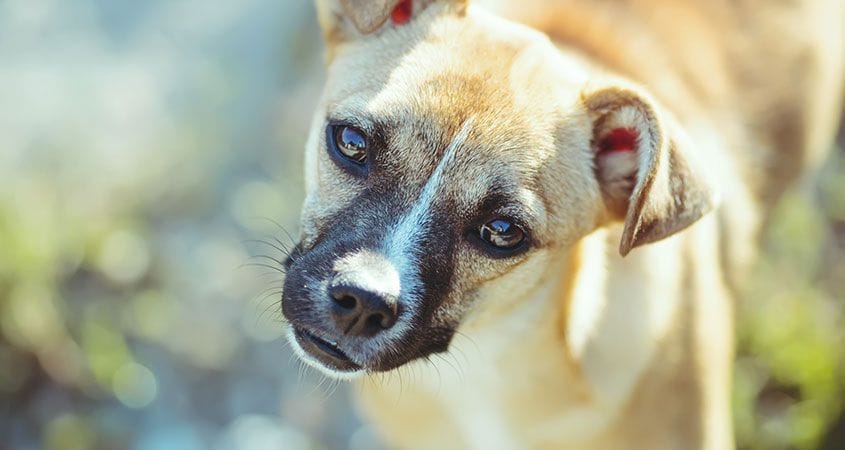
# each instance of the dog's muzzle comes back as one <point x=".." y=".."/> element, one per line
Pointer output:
<point x="342" y="323"/>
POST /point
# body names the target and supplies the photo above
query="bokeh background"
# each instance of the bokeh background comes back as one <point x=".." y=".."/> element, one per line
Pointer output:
<point x="146" y="150"/>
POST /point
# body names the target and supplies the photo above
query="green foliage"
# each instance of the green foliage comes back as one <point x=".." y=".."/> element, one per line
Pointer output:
<point x="790" y="375"/>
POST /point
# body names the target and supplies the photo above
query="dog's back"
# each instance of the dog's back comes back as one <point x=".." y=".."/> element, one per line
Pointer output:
<point x="770" y="73"/>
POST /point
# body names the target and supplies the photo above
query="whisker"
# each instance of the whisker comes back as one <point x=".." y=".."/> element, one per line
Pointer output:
<point x="272" y="287"/>
<point x="281" y="248"/>
<point x="267" y="274"/>
<point x="268" y="257"/>
<point x="287" y="250"/>
<point x="401" y="384"/>
<point x="454" y="368"/>
<point x="276" y="290"/>
<point x="335" y="387"/>
<point x="266" y="266"/>
<point x="439" y="375"/>
<point x="284" y="230"/>
<point x="318" y="386"/>
<point x="471" y="340"/>
<point x="267" y="308"/>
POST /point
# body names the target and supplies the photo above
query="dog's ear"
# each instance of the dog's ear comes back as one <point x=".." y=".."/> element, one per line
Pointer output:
<point x="369" y="15"/>
<point x="342" y="20"/>
<point x="644" y="167"/>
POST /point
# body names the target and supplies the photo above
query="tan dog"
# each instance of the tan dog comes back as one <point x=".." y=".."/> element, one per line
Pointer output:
<point x="470" y="180"/>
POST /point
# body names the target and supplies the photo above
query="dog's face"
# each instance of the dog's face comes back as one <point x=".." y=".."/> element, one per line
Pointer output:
<point x="453" y="157"/>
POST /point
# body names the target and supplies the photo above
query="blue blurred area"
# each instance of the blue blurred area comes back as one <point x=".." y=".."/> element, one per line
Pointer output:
<point x="142" y="144"/>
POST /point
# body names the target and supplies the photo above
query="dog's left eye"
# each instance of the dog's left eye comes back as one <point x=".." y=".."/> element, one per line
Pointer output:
<point x="351" y="143"/>
<point x="502" y="234"/>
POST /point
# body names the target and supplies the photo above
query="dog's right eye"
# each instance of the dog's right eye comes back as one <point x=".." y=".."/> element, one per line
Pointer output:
<point x="502" y="234"/>
<point x="349" y="142"/>
<point x="499" y="238"/>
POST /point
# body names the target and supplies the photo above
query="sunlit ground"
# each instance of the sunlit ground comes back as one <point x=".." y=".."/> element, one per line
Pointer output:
<point x="144" y="146"/>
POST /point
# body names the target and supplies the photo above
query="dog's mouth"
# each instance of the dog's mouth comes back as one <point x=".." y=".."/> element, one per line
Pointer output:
<point x="324" y="351"/>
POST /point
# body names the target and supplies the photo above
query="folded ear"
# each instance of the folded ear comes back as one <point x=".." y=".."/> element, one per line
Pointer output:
<point x="343" y="20"/>
<point x="369" y="15"/>
<point x="644" y="167"/>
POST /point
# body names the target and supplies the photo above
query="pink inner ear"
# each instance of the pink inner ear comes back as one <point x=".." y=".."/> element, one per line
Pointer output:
<point x="402" y="13"/>
<point x="619" y="140"/>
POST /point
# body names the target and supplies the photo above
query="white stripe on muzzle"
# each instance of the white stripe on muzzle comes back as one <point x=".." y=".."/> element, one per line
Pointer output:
<point x="402" y="244"/>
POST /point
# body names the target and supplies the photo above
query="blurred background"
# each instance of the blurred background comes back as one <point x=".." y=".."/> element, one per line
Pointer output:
<point x="146" y="150"/>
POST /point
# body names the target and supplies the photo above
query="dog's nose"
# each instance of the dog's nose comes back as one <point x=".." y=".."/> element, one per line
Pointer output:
<point x="361" y="312"/>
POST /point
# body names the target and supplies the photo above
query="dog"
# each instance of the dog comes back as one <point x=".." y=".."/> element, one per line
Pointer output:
<point x="532" y="216"/>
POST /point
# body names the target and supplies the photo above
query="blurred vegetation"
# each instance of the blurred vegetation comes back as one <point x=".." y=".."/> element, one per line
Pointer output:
<point x="790" y="374"/>
<point x="142" y="143"/>
<point x="141" y="146"/>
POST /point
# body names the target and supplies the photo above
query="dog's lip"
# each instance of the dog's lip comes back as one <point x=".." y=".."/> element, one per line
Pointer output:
<point x="325" y="351"/>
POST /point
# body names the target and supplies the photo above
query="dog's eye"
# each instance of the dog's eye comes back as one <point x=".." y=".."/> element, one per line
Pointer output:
<point x="502" y="234"/>
<point x="351" y="143"/>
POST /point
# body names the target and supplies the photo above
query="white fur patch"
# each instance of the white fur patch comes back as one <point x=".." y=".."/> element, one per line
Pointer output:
<point x="402" y="245"/>
<point x="372" y="271"/>
<point x="309" y="360"/>
<point x="375" y="272"/>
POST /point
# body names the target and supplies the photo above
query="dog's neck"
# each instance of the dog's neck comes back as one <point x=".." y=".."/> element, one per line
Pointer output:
<point x="582" y="284"/>
<point x="563" y="357"/>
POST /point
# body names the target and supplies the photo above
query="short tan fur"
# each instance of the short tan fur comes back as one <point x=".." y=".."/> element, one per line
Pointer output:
<point x="613" y="329"/>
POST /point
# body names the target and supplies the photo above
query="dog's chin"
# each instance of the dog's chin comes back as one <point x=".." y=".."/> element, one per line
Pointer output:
<point x="323" y="355"/>
<point x="327" y="356"/>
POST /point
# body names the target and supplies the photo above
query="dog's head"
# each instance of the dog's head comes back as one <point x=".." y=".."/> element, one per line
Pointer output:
<point x="453" y="156"/>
